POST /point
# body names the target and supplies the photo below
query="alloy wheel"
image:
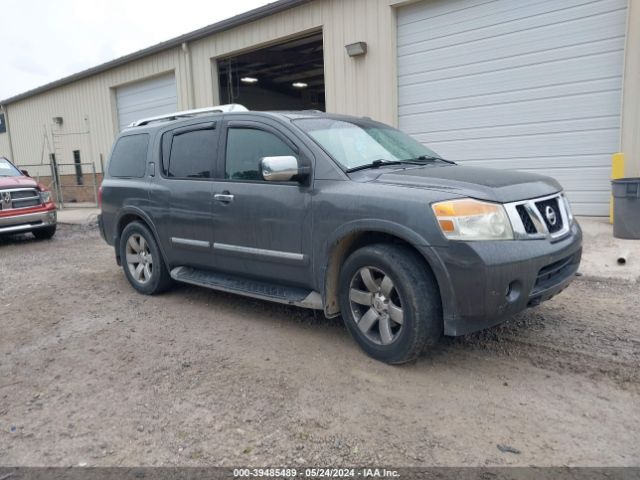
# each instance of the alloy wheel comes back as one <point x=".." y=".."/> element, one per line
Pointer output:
<point x="376" y="305"/>
<point x="139" y="258"/>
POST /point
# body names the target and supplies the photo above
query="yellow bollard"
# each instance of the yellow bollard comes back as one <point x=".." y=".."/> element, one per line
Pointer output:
<point x="617" y="171"/>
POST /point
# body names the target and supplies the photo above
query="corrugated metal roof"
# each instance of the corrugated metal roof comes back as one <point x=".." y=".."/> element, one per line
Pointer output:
<point x="247" y="17"/>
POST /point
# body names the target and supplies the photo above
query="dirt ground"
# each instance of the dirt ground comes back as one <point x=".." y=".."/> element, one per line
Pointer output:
<point x="93" y="373"/>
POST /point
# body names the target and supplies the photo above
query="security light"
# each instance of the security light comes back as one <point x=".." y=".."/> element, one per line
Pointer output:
<point x="249" y="80"/>
<point x="356" y="49"/>
<point x="300" y="85"/>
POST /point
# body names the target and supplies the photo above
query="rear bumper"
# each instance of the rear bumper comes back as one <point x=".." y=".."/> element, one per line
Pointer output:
<point x="490" y="281"/>
<point x="28" y="222"/>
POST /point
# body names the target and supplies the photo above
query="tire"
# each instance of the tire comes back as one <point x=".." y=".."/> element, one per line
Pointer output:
<point x="390" y="302"/>
<point x="44" y="233"/>
<point x="146" y="271"/>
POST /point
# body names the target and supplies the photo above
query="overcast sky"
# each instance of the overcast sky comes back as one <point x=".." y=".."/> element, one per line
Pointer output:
<point x="42" y="41"/>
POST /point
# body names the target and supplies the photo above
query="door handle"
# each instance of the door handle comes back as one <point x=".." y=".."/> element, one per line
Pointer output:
<point x="224" y="197"/>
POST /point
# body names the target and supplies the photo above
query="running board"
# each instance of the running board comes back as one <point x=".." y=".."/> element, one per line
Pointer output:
<point x="225" y="282"/>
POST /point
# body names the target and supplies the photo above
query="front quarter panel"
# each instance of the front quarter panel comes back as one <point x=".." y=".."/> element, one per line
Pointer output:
<point x="341" y="208"/>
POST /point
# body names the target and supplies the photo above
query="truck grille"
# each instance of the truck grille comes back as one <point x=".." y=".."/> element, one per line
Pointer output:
<point x="19" y="198"/>
<point x="529" y="227"/>
<point x="539" y="217"/>
<point x="551" y="215"/>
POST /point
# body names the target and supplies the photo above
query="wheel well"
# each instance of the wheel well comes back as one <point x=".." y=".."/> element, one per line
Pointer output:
<point x="341" y="251"/>
<point x="122" y="224"/>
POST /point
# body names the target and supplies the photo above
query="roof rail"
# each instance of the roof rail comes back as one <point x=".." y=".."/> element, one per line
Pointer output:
<point x="233" y="107"/>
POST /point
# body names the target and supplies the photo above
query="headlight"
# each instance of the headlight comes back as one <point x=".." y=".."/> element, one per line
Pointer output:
<point x="468" y="219"/>
<point x="45" y="196"/>
<point x="567" y="207"/>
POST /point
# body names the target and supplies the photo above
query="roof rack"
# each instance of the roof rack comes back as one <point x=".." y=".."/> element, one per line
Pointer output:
<point x="233" y="107"/>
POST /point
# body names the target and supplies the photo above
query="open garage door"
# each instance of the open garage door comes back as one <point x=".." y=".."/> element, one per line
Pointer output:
<point x="518" y="85"/>
<point x="147" y="98"/>
<point x="284" y="76"/>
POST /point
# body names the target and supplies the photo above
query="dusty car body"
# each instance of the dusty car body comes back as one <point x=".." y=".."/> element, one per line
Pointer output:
<point x="299" y="208"/>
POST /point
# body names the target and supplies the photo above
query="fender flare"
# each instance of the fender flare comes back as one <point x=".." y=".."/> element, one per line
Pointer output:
<point x="132" y="210"/>
<point x="414" y="239"/>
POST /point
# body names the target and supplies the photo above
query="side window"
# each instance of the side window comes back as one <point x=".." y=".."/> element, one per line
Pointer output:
<point x="245" y="148"/>
<point x="129" y="157"/>
<point x="193" y="154"/>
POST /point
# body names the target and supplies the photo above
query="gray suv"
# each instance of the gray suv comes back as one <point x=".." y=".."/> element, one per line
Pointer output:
<point x="335" y="213"/>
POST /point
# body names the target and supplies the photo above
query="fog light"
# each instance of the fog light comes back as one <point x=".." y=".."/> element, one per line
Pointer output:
<point x="512" y="292"/>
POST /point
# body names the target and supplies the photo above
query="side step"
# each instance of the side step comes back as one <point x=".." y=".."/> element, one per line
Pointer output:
<point x="225" y="282"/>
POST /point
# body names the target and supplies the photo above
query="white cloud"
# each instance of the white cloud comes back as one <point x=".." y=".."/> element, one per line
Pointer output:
<point x="42" y="41"/>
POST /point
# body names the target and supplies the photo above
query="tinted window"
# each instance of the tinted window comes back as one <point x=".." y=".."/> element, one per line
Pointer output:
<point x="245" y="148"/>
<point x="129" y="157"/>
<point x="192" y="154"/>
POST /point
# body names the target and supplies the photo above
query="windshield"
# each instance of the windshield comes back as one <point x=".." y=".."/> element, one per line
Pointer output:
<point x="355" y="144"/>
<point x="7" y="169"/>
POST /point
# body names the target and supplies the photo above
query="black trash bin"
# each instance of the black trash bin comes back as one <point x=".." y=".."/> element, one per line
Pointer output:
<point x="626" y="208"/>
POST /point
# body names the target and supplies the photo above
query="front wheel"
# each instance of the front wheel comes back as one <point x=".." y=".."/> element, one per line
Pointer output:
<point x="142" y="261"/>
<point x="390" y="302"/>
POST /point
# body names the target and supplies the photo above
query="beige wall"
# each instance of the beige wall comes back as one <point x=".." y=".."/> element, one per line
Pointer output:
<point x="5" y="146"/>
<point x="358" y="86"/>
<point x="87" y="108"/>
<point x="630" y="134"/>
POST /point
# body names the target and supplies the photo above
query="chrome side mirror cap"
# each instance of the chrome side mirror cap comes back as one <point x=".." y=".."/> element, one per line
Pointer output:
<point x="279" y="169"/>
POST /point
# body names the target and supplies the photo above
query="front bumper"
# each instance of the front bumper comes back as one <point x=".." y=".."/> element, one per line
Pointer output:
<point x="490" y="281"/>
<point x="28" y="222"/>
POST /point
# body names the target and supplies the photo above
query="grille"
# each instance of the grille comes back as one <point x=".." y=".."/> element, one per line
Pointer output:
<point x="552" y="272"/>
<point x="529" y="227"/>
<point x="550" y="212"/>
<point x="22" y="198"/>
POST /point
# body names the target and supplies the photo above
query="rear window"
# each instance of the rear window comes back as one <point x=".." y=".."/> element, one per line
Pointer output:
<point x="129" y="157"/>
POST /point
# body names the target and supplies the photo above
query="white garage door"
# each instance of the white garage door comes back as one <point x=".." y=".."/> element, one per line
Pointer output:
<point x="531" y="85"/>
<point x="147" y="98"/>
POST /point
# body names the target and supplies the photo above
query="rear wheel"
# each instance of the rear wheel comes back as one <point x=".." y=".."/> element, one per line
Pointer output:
<point x="142" y="261"/>
<point x="390" y="302"/>
<point x="44" y="233"/>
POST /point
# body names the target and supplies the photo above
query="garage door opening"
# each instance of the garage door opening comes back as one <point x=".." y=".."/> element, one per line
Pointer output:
<point x="285" y="76"/>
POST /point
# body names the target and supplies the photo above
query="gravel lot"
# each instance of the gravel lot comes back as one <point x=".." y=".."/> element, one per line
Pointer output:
<point x="92" y="372"/>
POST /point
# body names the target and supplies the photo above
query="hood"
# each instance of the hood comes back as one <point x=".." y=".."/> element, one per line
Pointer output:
<point x="482" y="183"/>
<point x="17" y="182"/>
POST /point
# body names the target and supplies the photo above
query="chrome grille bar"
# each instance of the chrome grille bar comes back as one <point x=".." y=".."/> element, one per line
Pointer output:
<point x="531" y="209"/>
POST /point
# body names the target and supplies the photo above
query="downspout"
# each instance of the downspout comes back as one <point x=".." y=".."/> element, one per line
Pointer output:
<point x="6" y="121"/>
<point x="190" y="88"/>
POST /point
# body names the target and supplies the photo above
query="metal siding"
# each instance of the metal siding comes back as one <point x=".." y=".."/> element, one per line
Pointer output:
<point x="88" y="103"/>
<point x="147" y="98"/>
<point x="358" y="86"/>
<point x="520" y="85"/>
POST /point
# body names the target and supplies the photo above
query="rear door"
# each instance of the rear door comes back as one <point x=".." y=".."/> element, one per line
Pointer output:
<point x="183" y="193"/>
<point x="260" y="229"/>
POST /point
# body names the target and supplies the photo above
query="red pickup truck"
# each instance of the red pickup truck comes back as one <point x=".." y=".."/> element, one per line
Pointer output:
<point x="25" y="204"/>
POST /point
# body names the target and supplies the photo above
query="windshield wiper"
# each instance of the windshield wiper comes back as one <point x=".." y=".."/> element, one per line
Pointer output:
<point x="429" y="158"/>
<point x="383" y="163"/>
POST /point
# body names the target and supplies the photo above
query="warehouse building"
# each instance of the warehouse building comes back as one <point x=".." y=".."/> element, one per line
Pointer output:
<point x="549" y="86"/>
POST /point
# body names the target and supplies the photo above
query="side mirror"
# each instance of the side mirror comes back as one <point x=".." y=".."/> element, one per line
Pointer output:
<point x="25" y="173"/>
<point x="280" y="169"/>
